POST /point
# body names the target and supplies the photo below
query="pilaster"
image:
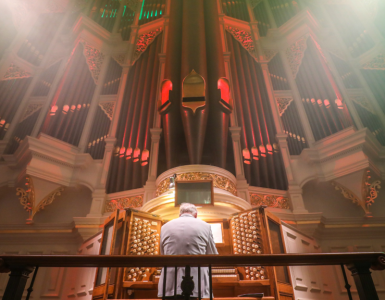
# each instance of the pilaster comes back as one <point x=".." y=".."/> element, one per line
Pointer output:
<point x="99" y="198"/>
<point x="297" y="99"/>
<point x="94" y="105"/>
<point x="295" y="195"/>
<point x="236" y="138"/>
<point x="153" y="165"/>
<point x="108" y="151"/>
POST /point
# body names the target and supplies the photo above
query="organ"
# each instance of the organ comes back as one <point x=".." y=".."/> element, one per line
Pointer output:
<point x="132" y="232"/>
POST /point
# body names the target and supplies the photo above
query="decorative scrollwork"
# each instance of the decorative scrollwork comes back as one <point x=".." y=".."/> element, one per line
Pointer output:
<point x="125" y="202"/>
<point x="144" y="41"/>
<point x="369" y="192"/>
<point x="108" y="108"/>
<point x="377" y="63"/>
<point x="269" y="54"/>
<point x="295" y="54"/>
<point x="28" y="200"/>
<point x="243" y="37"/>
<point x="283" y="104"/>
<point x="15" y="72"/>
<point x="94" y="59"/>
<point x="119" y="58"/>
<point x="31" y="109"/>
<point x="269" y="200"/>
<point x="219" y="181"/>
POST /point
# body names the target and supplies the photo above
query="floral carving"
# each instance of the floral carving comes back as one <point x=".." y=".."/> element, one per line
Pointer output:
<point x="144" y="41"/>
<point x="134" y="5"/>
<point x="125" y="202"/>
<point x="363" y="102"/>
<point x="94" y="59"/>
<point x="15" y="72"/>
<point x="108" y="108"/>
<point x="219" y="181"/>
<point x="269" y="54"/>
<point x="28" y="200"/>
<point x="269" y="200"/>
<point x="31" y="109"/>
<point x="377" y="63"/>
<point x="369" y="192"/>
<point x="119" y="58"/>
<point x="295" y="54"/>
<point x="254" y="3"/>
<point x="283" y="104"/>
<point x="244" y="37"/>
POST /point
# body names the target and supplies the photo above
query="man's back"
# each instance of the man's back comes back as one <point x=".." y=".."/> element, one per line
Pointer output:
<point x="187" y="235"/>
<point x="183" y="236"/>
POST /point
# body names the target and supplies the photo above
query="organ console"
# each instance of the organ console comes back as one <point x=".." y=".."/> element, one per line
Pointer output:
<point x="132" y="232"/>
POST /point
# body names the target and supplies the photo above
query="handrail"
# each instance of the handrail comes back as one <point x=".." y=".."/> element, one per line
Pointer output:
<point x="376" y="259"/>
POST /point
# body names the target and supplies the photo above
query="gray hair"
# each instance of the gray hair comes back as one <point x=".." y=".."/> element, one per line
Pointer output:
<point x="187" y="208"/>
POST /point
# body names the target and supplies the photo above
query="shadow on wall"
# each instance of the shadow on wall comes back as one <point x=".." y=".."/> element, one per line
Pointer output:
<point x="322" y="197"/>
<point x="73" y="202"/>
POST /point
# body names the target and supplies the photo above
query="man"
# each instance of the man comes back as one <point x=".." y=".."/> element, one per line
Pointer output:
<point x="186" y="235"/>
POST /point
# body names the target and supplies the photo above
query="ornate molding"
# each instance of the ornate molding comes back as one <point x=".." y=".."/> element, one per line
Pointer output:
<point x="15" y="72"/>
<point x="119" y="58"/>
<point x="269" y="200"/>
<point x="363" y="102"/>
<point x="269" y="54"/>
<point x="244" y="38"/>
<point x="134" y="5"/>
<point x="144" y="41"/>
<point x="377" y="63"/>
<point x="295" y="54"/>
<point x="122" y="203"/>
<point x="369" y="192"/>
<point x="94" y="59"/>
<point x="254" y="3"/>
<point x="28" y="200"/>
<point x="108" y="108"/>
<point x="219" y="181"/>
<point x="31" y="109"/>
<point x="283" y="104"/>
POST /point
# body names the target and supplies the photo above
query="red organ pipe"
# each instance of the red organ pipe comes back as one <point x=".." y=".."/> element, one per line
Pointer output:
<point x="69" y="109"/>
<point x="218" y="87"/>
<point x="194" y="60"/>
<point x="169" y="107"/>
<point x="127" y="169"/>
<point x="254" y="115"/>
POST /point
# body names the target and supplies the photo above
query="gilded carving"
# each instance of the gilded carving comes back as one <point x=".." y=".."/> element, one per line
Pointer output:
<point x="363" y="102"/>
<point x="244" y="37"/>
<point x="269" y="54"/>
<point x="144" y="41"/>
<point x="369" y="192"/>
<point x="94" y="59"/>
<point x="28" y="200"/>
<point x="31" y="109"/>
<point x="377" y="63"/>
<point x="119" y="58"/>
<point x="108" y="108"/>
<point x="254" y="3"/>
<point x="134" y="5"/>
<point x="295" y="54"/>
<point x="283" y="104"/>
<point x="125" y="202"/>
<point x="219" y="181"/>
<point x="269" y="200"/>
<point x="15" y="72"/>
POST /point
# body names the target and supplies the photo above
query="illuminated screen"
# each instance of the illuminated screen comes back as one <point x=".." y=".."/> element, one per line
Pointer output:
<point x="216" y="229"/>
<point x="198" y="193"/>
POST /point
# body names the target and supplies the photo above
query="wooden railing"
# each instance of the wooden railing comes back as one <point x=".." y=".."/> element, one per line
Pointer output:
<point x="20" y="266"/>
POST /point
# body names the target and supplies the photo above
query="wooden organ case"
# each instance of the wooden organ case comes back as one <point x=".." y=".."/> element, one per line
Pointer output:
<point x="131" y="232"/>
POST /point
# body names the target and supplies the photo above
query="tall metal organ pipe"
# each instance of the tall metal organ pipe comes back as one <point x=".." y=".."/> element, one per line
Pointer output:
<point x="194" y="108"/>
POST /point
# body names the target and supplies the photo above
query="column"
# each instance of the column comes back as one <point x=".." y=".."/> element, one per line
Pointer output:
<point x="94" y="105"/>
<point x="99" y="198"/>
<point x="297" y="99"/>
<point x="150" y="187"/>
